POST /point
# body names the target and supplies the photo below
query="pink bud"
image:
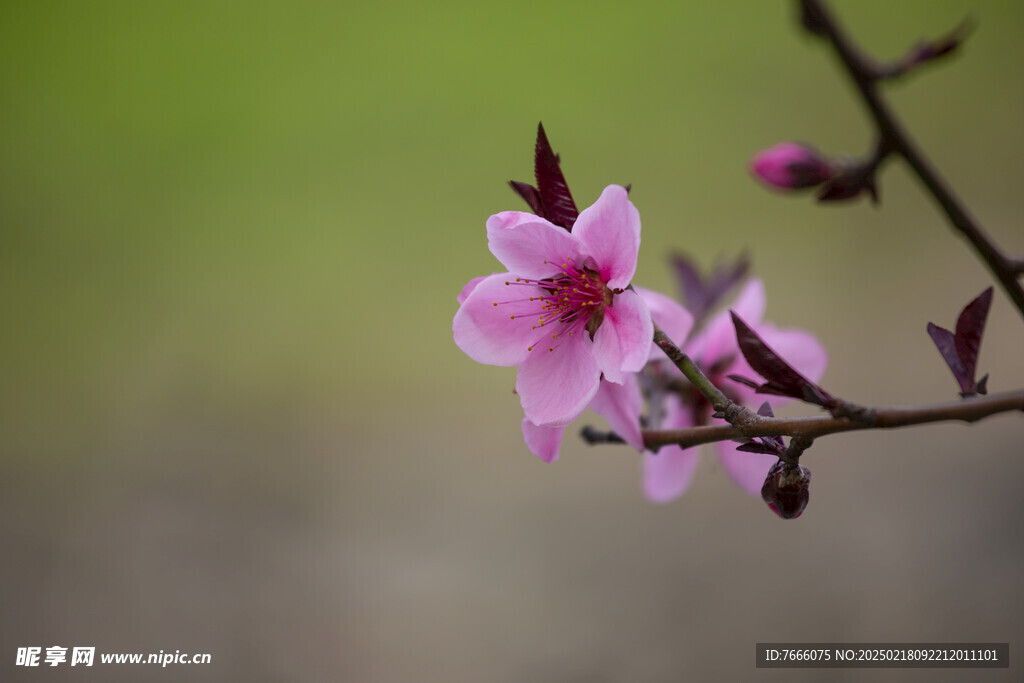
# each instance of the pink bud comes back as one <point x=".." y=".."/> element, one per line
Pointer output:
<point x="791" y="166"/>
<point x="786" y="489"/>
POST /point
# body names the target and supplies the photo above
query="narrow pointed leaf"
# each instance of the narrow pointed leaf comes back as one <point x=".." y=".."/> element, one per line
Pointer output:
<point x="702" y="295"/>
<point x="530" y="196"/>
<point x="773" y="441"/>
<point x="969" y="328"/>
<point x="559" y="207"/>
<point x="946" y="344"/>
<point x="725" y="276"/>
<point x="745" y="381"/>
<point x="757" y="448"/>
<point x="689" y="283"/>
<point x="783" y="379"/>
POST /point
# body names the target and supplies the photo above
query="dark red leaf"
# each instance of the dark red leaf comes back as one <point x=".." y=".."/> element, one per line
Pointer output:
<point x="946" y="344"/>
<point x="757" y="447"/>
<point x="783" y="379"/>
<point x="744" y="381"/>
<point x="969" y="328"/>
<point x="774" y="442"/>
<point x="559" y="207"/>
<point x="689" y="283"/>
<point x="529" y="194"/>
<point x="702" y="295"/>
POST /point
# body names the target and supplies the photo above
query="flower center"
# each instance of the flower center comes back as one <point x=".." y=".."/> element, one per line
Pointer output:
<point x="571" y="301"/>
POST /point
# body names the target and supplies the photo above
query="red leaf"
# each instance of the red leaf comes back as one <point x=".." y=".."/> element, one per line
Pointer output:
<point x="529" y="194"/>
<point x="559" y="207"/>
<point x="969" y="328"/>
<point x="946" y="344"/>
<point x="700" y="294"/>
<point x="757" y="447"/>
<point x="783" y="379"/>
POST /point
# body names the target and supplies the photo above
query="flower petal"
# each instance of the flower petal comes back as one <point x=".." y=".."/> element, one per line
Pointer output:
<point x="669" y="315"/>
<point x="718" y="339"/>
<point x="668" y="473"/>
<point x="468" y="289"/>
<point x="623" y="341"/>
<point x="609" y="231"/>
<point x="496" y="335"/>
<point x="542" y="441"/>
<point x="530" y="246"/>
<point x="555" y="387"/>
<point x="621" y="405"/>
<point x="748" y="470"/>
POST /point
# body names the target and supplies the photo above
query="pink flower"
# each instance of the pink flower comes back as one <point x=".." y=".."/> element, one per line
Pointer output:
<point x="667" y="473"/>
<point x="562" y="313"/>
<point x="619" y="404"/>
<point x="790" y="166"/>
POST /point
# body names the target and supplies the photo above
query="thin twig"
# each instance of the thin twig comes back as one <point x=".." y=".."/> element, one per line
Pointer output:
<point x="894" y="137"/>
<point x="965" y="410"/>
<point x="705" y="386"/>
<point x="724" y="407"/>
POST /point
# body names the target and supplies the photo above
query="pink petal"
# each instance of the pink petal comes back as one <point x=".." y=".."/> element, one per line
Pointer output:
<point x="555" y="387"/>
<point x="718" y="339"/>
<point x="791" y="165"/>
<point x="542" y="441"/>
<point x="610" y="233"/>
<point x="669" y="315"/>
<point x="529" y="246"/>
<point x="620" y="405"/>
<point x="488" y="333"/>
<point x="468" y="289"/>
<point x="623" y="341"/>
<point x="668" y="473"/>
<point x="748" y="470"/>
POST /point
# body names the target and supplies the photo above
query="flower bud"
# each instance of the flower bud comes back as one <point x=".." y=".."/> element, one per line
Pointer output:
<point x="791" y="166"/>
<point x="786" y="489"/>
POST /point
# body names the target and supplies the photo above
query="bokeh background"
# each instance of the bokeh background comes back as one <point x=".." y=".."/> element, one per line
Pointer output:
<point x="232" y="418"/>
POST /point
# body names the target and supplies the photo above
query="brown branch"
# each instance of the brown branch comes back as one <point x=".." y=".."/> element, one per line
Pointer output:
<point x="965" y="410"/>
<point x="893" y="137"/>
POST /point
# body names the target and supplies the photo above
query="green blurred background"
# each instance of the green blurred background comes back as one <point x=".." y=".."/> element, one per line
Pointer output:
<point x="232" y="418"/>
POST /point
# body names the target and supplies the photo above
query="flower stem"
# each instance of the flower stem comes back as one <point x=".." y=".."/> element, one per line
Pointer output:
<point x="719" y="401"/>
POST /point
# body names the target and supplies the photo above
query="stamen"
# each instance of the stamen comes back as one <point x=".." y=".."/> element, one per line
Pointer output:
<point x="568" y="301"/>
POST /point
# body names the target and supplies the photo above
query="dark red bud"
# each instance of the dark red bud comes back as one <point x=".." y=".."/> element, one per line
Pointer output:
<point x="786" y="489"/>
